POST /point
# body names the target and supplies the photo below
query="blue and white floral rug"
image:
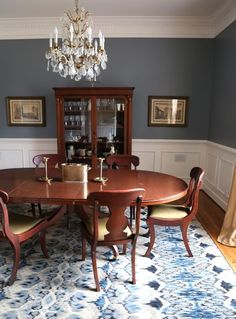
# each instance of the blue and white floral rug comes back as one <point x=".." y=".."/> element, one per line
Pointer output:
<point x="170" y="285"/>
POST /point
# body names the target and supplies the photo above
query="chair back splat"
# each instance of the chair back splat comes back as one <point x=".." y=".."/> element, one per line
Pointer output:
<point x="55" y="160"/>
<point x="123" y="161"/>
<point x="177" y="215"/>
<point x="113" y="228"/>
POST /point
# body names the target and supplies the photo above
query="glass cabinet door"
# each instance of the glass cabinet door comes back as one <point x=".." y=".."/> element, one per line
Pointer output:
<point x="77" y="128"/>
<point x="93" y="122"/>
<point x="110" y="126"/>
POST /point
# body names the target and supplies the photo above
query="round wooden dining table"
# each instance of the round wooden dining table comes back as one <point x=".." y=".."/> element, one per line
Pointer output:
<point x="23" y="185"/>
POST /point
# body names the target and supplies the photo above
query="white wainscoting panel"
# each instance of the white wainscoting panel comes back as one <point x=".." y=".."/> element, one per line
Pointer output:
<point x="220" y="163"/>
<point x="211" y="167"/>
<point x="19" y="152"/>
<point x="147" y="160"/>
<point x="11" y="158"/>
<point x="181" y="162"/>
<point x="175" y="157"/>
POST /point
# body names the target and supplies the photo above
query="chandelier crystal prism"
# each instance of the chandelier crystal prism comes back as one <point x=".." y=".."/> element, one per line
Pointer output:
<point x="80" y="56"/>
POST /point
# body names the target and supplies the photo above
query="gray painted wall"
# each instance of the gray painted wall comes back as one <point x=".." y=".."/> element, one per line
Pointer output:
<point x="222" y="127"/>
<point x="153" y="66"/>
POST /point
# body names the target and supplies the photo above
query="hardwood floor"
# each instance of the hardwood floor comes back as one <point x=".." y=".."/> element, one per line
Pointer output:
<point x="211" y="217"/>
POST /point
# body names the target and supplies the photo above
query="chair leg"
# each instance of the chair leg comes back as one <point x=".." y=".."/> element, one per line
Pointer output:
<point x="133" y="252"/>
<point x="131" y="215"/>
<point x="124" y="249"/>
<point x="42" y="240"/>
<point x="95" y="270"/>
<point x="40" y="209"/>
<point x="83" y="248"/>
<point x="69" y="210"/>
<point x="184" y="230"/>
<point x="152" y="237"/>
<point x="33" y="205"/>
<point x="115" y="251"/>
<point x="33" y="209"/>
<point x="16" y="248"/>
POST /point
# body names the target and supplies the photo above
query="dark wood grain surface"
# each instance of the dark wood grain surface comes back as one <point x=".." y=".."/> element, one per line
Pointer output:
<point x="23" y="185"/>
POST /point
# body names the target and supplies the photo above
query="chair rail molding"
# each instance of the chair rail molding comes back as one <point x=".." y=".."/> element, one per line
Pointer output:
<point x="175" y="157"/>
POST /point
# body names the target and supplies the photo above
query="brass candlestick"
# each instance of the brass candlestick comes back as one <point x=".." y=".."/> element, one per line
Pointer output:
<point x="45" y="178"/>
<point x="101" y="179"/>
<point x="101" y="160"/>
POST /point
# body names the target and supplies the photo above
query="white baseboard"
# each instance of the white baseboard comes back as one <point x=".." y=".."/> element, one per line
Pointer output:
<point x="174" y="157"/>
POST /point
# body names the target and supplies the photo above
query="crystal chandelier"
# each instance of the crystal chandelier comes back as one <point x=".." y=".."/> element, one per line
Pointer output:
<point x="79" y="55"/>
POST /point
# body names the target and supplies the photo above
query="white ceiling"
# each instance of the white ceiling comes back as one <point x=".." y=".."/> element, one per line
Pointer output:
<point x="120" y="18"/>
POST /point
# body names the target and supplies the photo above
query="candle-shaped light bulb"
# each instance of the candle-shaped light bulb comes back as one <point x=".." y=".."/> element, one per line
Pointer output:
<point x="50" y="40"/>
<point x="89" y="34"/>
<point x="95" y="47"/>
<point x="100" y="37"/>
<point x="71" y="32"/>
<point x="56" y="35"/>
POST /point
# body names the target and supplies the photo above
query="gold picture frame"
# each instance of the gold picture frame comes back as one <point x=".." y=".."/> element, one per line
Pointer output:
<point x="26" y="111"/>
<point x="167" y="110"/>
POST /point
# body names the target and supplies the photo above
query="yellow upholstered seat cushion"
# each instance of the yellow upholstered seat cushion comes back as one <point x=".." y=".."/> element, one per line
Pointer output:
<point x="21" y="223"/>
<point x="102" y="230"/>
<point x="169" y="211"/>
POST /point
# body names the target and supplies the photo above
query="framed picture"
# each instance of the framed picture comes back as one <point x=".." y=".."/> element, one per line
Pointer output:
<point x="26" y="111"/>
<point x="167" y="110"/>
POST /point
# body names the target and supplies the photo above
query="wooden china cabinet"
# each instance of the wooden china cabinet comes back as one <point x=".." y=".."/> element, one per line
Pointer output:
<point x="93" y="122"/>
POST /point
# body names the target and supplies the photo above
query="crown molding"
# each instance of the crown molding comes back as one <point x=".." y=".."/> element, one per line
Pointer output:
<point x="126" y="27"/>
<point x="224" y="16"/>
<point x="137" y="27"/>
<point x="155" y="27"/>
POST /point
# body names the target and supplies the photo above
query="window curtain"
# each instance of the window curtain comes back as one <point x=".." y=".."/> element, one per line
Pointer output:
<point x="227" y="234"/>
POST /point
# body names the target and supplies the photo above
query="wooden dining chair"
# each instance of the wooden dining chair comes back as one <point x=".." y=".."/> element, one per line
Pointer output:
<point x="114" y="228"/>
<point x="122" y="161"/>
<point x="17" y="228"/>
<point x="177" y="215"/>
<point x="54" y="161"/>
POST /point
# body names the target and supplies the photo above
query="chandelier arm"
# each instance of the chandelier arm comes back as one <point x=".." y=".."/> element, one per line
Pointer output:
<point x="84" y="28"/>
